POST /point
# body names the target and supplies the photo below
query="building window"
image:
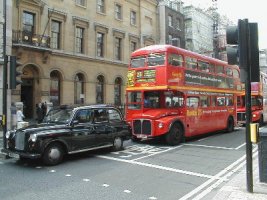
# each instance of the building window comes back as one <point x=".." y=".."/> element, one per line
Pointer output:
<point x="118" y="11"/>
<point x="28" y="22"/>
<point x="100" y="44"/>
<point x="55" y="34"/>
<point x="79" y="89"/>
<point x="80" y="2"/>
<point x="133" y="46"/>
<point x="118" y="46"/>
<point x="178" y="23"/>
<point x="101" y="6"/>
<point x="170" y="21"/>
<point x="100" y="89"/>
<point x="117" y="91"/>
<point x="55" y="88"/>
<point x="133" y="18"/>
<point x="170" y="39"/>
<point x="79" y="40"/>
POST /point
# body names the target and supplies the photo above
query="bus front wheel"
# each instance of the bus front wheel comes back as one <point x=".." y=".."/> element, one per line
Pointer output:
<point x="175" y="135"/>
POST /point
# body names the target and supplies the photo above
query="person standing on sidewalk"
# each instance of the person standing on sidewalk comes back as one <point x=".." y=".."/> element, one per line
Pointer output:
<point x="39" y="113"/>
<point x="20" y="115"/>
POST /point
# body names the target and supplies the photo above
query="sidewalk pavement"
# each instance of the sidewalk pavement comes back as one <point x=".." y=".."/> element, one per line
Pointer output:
<point x="234" y="189"/>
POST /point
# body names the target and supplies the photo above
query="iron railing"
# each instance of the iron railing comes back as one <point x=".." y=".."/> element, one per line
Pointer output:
<point x="28" y="38"/>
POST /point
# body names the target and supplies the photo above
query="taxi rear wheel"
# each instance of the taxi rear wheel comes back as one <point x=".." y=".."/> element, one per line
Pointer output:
<point x="53" y="154"/>
<point x="117" y="143"/>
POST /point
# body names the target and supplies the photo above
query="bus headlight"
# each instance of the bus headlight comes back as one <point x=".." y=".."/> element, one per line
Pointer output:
<point x="160" y="125"/>
<point x="8" y="134"/>
<point x="33" y="137"/>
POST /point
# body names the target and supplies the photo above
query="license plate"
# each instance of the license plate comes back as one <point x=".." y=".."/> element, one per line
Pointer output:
<point x="142" y="136"/>
<point x="13" y="155"/>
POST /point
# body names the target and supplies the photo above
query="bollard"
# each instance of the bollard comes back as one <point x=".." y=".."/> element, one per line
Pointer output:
<point x="254" y="133"/>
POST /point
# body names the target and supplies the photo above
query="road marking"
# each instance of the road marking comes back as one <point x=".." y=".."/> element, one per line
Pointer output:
<point x="52" y="171"/>
<point x="216" y="147"/>
<point x="240" y="146"/>
<point x="105" y="185"/>
<point x="127" y="191"/>
<point x="152" y="198"/>
<point x="86" y="179"/>
<point x="158" y="153"/>
<point x="226" y="170"/>
<point x="160" y="167"/>
<point x="217" y="183"/>
<point x="68" y="175"/>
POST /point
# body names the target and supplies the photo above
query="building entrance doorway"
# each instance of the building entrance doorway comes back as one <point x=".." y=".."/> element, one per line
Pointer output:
<point x="27" y="97"/>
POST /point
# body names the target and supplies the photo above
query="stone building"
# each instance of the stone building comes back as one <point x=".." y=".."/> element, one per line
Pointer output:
<point x="171" y="23"/>
<point x="77" y="51"/>
<point x="198" y="30"/>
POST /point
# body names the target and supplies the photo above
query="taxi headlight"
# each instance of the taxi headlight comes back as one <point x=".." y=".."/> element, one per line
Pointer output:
<point x="8" y="134"/>
<point x="33" y="137"/>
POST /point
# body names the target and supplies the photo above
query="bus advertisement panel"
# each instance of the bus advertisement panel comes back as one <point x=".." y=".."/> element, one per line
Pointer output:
<point x="174" y="93"/>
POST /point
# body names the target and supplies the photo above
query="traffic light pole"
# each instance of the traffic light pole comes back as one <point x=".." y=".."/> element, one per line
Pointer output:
<point x="4" y="117"/>
<point x="245" y="66"/>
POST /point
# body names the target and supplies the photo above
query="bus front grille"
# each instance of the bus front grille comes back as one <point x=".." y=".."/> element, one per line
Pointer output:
<point x="142" y="126"/>
<point x="241" y="116"/>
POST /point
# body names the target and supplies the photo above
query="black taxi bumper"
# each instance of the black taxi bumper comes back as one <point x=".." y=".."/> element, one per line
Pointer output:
<point x="16" y="154"/>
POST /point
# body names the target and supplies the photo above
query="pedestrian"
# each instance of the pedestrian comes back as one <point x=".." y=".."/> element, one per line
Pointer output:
<point x="44" y="108"/>
<point x="20" y="115"/>
<point x="39" y="113"/>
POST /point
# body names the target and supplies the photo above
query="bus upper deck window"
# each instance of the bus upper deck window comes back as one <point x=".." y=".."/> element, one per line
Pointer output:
<point x="219" y="69"/>
<point x="203" y="66"/>
<point x="191" y="63"/>
<point x="156" y="59"/>
<point x="138" y="62"/>
<point x="229" y="72"/>
<point x="175" y="60"/>
<point x="236" y="73"/>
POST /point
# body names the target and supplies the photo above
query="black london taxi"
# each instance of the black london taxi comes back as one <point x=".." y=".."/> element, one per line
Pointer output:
<point x="69" y="130"/>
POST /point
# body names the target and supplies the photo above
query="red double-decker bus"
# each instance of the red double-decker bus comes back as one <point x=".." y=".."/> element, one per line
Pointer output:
<point x="175" y="93"/>
<point x="258" y="102"/>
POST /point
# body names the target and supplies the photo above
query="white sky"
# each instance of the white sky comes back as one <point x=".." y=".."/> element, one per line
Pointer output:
<point x="254" y="11"/>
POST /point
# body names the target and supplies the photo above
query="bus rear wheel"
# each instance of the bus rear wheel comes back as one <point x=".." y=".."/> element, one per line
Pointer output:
<point x="175" y="135"/>
<point x="230" y="125"/>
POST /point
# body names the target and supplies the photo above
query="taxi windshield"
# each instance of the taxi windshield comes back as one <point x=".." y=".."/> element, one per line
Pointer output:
<point x="58" y="116"/>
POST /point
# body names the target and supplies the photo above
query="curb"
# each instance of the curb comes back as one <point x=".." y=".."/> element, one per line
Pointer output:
<point x="2" y="155"/>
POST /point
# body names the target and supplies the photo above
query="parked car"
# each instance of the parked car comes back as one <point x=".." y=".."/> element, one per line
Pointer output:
<point x="69" y="130"/>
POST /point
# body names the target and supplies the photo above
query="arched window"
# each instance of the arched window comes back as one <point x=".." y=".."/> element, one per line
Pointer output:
<point x="55" y="88"/>
<point x="79" y="89"/>
<point x="117" y="91"/>
<point x="100" y="89"/>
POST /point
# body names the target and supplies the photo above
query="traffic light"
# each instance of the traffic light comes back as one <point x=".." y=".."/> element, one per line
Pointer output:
<point x="254" y="52"/>
<point x="14" y="74"/>
<point x="237" y="37"/>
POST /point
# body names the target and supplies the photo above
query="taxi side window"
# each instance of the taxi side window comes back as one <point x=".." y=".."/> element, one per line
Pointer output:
<point x="100" y="115"/>
<point x="84" y="116"/>
<point x="114" y="115"/>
